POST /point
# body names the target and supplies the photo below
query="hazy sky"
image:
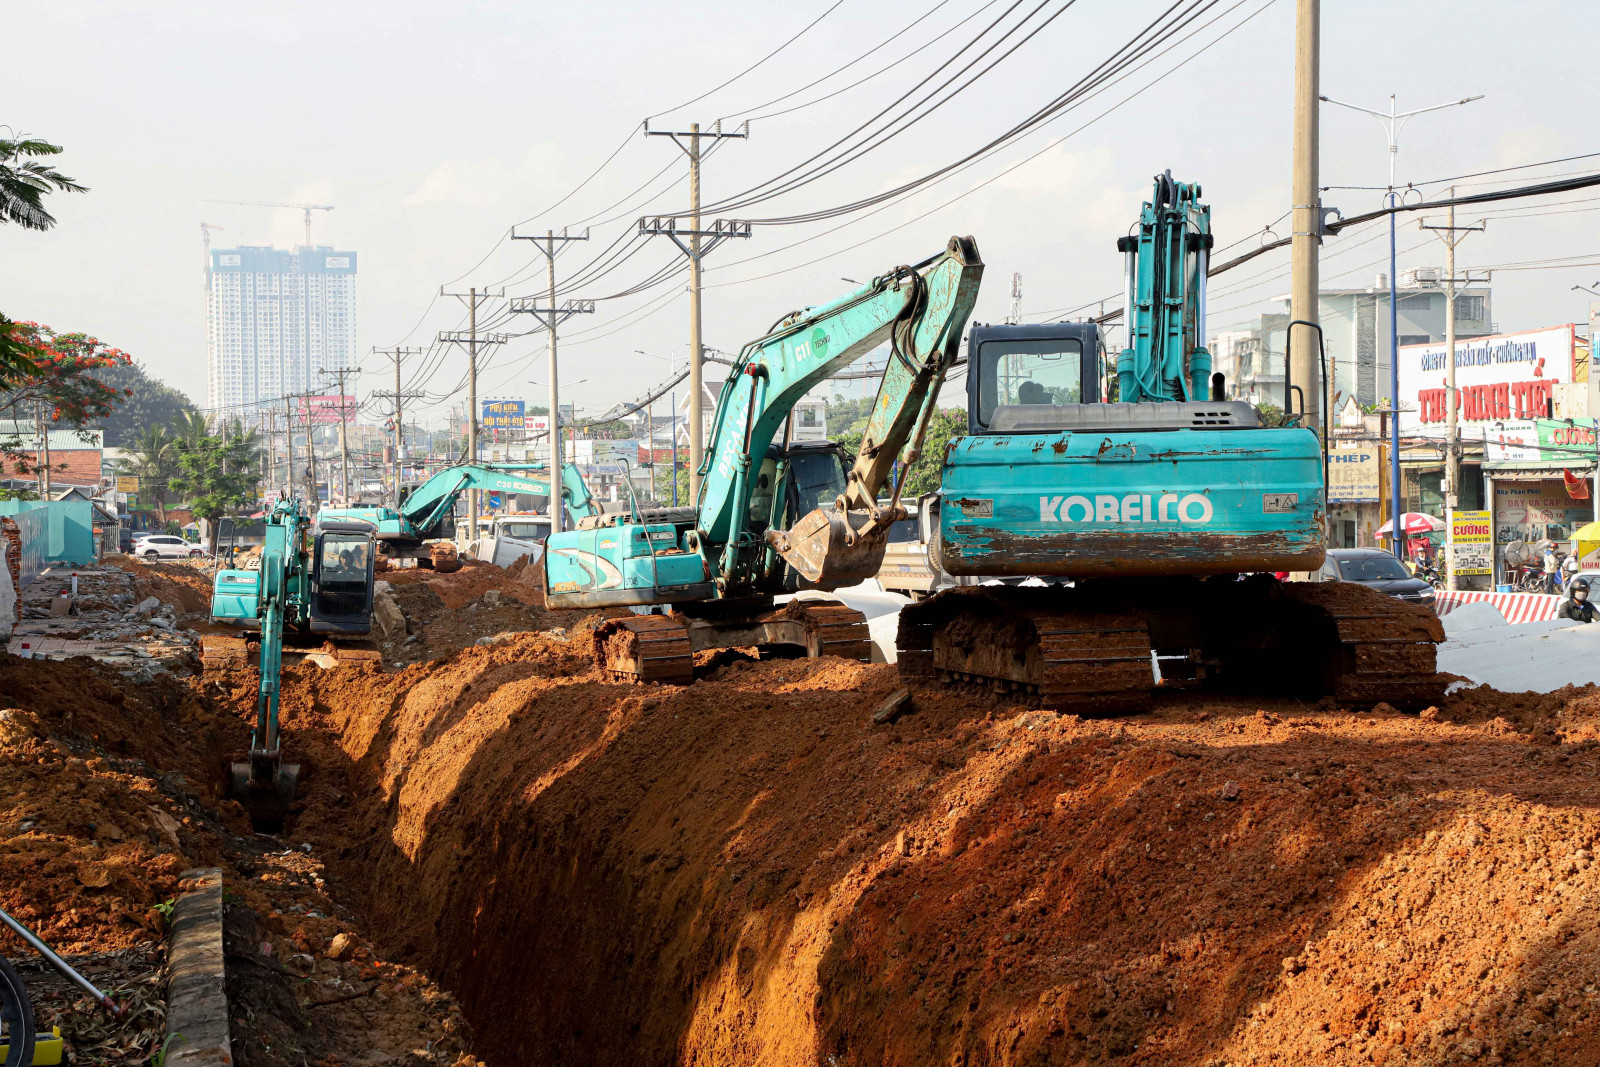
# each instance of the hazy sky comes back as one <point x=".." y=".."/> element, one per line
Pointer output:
<point x="433" y="128"/>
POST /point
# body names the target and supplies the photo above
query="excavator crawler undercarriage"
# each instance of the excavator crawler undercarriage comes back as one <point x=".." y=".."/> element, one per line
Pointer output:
<point x="1091" y="649"/>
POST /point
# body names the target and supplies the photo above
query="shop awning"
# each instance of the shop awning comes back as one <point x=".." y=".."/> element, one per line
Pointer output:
<point x="1529" y="469"/>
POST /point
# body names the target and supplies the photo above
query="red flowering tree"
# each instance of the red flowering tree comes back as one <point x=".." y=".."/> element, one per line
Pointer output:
<point x="49" y="375"/>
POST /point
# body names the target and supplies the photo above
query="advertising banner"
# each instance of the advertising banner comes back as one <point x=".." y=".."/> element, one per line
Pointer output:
<point x="1471" y="543"/>
<point x="1504" y="377"/>
<point x="502" y="415"/>
<point x="127" y="483"/>
<point x="324" y="410"/>
<point x="1353" y="475"/>
<point x="1534" y="510"/>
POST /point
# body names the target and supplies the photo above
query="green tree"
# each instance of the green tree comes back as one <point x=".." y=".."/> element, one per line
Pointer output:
<point x="25" y="182"/>
<point x="52" y="375"/>
<point x="153" y="459"/>
<point x="147" y="402"/>
<point x="663" y="484"/>
<point x="218" y="470"/>
<point x="945" y="426"/>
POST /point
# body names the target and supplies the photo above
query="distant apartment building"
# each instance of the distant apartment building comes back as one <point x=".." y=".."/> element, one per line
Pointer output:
<point x="275" y="319"/>
<point x="1355" y="324"/>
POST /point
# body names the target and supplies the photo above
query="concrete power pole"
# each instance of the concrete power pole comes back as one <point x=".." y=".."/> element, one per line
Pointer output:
<point x="1307" y="211"/>
<point x="551" y="317"/>
<point x="721" y="230"/>
<point x="1452" y="489"/>
<point x="473" y="296"/>
<point x="344" y="429"/>
<point x="399" y="397"/>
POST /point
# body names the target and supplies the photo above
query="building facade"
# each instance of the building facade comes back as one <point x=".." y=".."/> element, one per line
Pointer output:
<point x="1355" y="324"/>
<point x="276" y="318"/>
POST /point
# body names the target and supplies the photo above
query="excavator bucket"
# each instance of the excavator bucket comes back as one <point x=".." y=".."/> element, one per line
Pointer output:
<point x="827" y="549"/>
<point x="264" y="788"/>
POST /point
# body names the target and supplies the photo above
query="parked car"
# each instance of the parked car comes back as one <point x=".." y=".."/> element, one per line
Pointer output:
<point x="165" y="546"/>
<point x="1375" y="569"/>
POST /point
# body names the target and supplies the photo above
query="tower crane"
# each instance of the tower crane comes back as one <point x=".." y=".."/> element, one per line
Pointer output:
<point x="307" y="208"/>
<point x="205" y="237"/>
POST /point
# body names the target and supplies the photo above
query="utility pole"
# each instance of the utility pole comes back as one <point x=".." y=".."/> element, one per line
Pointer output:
<point x="1452" y="491"/>
<point x="397" y="354"/>
<point x="344" y="439"/>
<point x="720" y="231"/>
<point x="472" y="297"/>
<point x="552" y="317"/>
<point x="1392" y="122"/>
<point x="1307" y="226"/>
<point x="42" y="458"/>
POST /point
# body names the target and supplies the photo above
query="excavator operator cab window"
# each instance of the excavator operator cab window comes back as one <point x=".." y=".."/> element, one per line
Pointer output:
<point x="762" y="488"/>
<point x="1029" y="372"/>
<point x="818" y="479"/>
<point x="344" y="574"/>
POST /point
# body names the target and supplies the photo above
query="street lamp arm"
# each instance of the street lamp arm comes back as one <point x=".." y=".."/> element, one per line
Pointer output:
<point x="1384" y="115"/>
<point x="1439" y="107"/>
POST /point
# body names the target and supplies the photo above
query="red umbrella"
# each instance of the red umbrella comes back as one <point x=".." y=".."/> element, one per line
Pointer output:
<point x="1412" y="522"/>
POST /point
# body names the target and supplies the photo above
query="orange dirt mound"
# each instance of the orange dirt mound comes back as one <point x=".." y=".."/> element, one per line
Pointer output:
<point x="746" y="870"/>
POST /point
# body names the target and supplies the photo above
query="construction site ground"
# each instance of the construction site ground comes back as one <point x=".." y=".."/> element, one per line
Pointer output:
<point x="497" y="854"/>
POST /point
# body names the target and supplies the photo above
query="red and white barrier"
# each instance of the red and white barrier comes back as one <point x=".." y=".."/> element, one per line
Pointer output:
<point x="1516" y="607"/>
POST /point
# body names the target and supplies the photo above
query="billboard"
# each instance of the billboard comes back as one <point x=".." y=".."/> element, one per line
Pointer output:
<point x="1471" y="543"/>
<point x="1353" y="475"/>
<point x="325" y="410"/>
<point x="1499" y="379"/>
<point x="502" y="415"/>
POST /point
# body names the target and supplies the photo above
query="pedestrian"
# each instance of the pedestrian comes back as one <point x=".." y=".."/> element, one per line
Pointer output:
<point x="1569" y="568"/>
<point x="1552" y="570"/>
<point x="1576" y="606"/>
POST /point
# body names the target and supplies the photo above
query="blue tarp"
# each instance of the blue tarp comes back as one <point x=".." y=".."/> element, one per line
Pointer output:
<point x="67" y="528"/>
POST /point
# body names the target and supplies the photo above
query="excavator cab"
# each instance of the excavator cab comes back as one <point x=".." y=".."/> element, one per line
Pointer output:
<point x="342" y="578"/>
<point x="794" y="481"/>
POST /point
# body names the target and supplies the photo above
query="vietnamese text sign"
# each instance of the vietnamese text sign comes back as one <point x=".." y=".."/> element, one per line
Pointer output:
<point x="1471" y="543"/>
<point x="502" y="415"/>
<point x="1532" y="510"/>
<point x="1353" y="475"/>
<point x="127" y="483"/>
<point x="1499" y="378"/>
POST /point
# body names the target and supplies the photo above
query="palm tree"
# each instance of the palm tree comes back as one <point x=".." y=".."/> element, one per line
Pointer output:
<point x="154" y="460"/>
<point x="24" y="182"/>
<point x="192" y="428"/>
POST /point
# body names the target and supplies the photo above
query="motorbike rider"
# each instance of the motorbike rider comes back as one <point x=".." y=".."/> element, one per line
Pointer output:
<point x="1577" y="606"/>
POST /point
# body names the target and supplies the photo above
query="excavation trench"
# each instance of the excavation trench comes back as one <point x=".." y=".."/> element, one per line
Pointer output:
<point x="746" y="870"/>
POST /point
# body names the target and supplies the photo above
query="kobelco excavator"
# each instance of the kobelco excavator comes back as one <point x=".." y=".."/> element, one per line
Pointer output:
<point x="424" y="513"/>
<point x="773" y="515"/>
<point x="1149" y="495"/>
<point x="313" y="587"/>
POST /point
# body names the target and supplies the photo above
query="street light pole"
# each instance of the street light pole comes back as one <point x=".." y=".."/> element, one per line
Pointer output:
<point x="1393" y="122"/>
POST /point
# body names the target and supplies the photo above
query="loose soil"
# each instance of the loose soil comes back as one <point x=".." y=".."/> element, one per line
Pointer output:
<point x="747" y="870"/>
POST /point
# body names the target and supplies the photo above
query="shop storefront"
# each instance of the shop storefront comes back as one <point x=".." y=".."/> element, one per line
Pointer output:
<point x="1535" y="500"/>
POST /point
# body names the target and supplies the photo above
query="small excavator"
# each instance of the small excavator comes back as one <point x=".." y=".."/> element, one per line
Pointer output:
<point x="425" y="512"/>
<point x="1161" y="508"/>
<point x="313" y="588"/>
<point x="776" y="516"/>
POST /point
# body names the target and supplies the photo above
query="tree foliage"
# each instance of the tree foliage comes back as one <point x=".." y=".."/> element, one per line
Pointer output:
<point x="926" y="473"/>
<point x="53" y="374"/>
<point x="147" y="402"/>
<point x="25" y="182"/>
<point x="218" y="469"/>
<point x="153" y="459"/>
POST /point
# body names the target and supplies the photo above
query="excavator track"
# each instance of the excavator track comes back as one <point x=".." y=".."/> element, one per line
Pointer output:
<point x="644" y="649"/>
<point x="1087" y="650"/>
<point x="831" y="629"/>
<point x="1089" y="663"/>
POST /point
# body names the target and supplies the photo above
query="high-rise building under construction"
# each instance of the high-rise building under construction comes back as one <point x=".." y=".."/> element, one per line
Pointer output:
<point x="275" y="319"/>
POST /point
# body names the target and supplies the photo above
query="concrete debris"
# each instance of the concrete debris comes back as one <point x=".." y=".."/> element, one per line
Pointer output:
<point x="148" y="604"/>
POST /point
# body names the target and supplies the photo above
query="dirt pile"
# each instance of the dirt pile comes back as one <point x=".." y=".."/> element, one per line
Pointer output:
<point x="184" y="585"/>
<point x="108" y="794"/>
<point x="446" y="612"/>
<point x="747" y="870"/>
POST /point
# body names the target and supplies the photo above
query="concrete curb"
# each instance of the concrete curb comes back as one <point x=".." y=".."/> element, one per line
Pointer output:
<point x="197" y="1004"/>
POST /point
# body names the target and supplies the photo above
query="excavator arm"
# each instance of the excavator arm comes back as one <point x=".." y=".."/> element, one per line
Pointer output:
<point x="920" y="310"/>
<point x="429" y="501"/>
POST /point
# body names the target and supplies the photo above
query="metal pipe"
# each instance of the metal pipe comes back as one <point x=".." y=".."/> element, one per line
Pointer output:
<point x="60" y="964"/>
<point x="1200" y="299"/>
<point x="1129" y="273"/>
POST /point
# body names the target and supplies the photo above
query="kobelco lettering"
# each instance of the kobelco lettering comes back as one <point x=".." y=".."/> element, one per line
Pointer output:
<point x="1193" y="509"/>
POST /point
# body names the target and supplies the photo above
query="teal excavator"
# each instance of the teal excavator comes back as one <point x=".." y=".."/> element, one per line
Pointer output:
<point x="311" y="595"/>
<point x="425" y="512"/>
<point x="1158" y="510"/>
<point x="775" y="515"/>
